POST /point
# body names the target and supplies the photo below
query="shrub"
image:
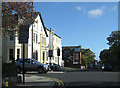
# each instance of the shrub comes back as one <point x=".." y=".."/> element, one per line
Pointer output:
<point x="9" y="69"/>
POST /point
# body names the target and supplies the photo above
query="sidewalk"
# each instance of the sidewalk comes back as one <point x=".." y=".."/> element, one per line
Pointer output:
<point x="34" y="82"/>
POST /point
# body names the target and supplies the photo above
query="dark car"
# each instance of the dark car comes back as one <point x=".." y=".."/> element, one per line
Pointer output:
<point x="54" y="66"/>
<point x="89" y="66"/>
<point x="94" y="66"/>
<point x="31" y="65"/>
<point x="106" y="67"/>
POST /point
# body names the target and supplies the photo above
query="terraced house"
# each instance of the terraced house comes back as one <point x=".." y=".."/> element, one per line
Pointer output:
<point x="40" y="41"/>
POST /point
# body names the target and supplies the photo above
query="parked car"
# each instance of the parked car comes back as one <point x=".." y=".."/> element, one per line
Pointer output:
<point x="94" y="66"/>
<point x="31" y="65"/>
<point x="89" y="66"/>
<point x="54" y="66"/>
<point x="106" y="67"/>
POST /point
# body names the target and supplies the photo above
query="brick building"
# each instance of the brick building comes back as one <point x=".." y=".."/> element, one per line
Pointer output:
<point x="71" y="56"/>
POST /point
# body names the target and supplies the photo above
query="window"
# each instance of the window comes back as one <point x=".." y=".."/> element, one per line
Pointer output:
<point x="18" y="53"/>
<point x="47" y="55"/>
<point x="36" y="55"/>
<point x="11" y="54"/>
<point x="36" y="38"/>
<point x="21" y="61"/>
<point x="43" y="57"/>
<point x="41" y="28"/>
<point x="27" y="61"/>
<point x="43" y="41"/>
<point x="11" y="37"/>
<point x="34" y="25"/>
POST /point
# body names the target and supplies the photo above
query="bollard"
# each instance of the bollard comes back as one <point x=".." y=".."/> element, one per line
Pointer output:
<point x="6" y="83"/>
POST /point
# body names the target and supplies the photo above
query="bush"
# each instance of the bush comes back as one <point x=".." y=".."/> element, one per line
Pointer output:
<point x="9" y="69"/>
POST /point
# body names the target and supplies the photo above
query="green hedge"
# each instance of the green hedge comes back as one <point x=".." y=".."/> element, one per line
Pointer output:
<point x="9" y="69"/>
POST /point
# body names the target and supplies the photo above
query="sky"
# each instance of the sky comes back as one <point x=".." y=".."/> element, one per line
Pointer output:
<point x="81" y="23"/>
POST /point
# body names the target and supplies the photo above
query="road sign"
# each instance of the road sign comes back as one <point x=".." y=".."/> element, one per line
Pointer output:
<point x="77" y="49"/>
<point x="58" y="52"/>
<point x="23" y="33"/>
<point x="50" y="53"/>
<point x="75" y="62"/>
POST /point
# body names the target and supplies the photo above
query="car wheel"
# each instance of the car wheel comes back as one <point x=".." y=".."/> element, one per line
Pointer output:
<point x="18" y="70"/>
<point x="40" y="70"/>
<point x="45" y="71"/>
<point x="24" y="71"/>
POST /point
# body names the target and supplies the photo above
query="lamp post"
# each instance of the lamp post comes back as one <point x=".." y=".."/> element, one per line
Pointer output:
<point x="51" y="44"/>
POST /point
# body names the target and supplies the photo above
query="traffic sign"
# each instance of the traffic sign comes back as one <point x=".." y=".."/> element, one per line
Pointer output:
<point x="58" y="52"/>
<point x="50" y="53"/>
<point x="23" y="33"/>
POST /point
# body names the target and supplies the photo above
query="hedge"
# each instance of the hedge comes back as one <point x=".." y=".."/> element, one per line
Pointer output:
<point x="9" y="69"/>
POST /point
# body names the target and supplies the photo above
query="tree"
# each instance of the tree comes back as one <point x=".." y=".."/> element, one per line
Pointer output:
<point x="105" y="56"/>
<point x="114" y="42"/>
<point x="11" y="11"/>
<point x="84" y="59"/>
<point x="112" y="54"/>
<point x="87" y="56"/>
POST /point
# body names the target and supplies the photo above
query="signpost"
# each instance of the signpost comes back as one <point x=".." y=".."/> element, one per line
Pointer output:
<point x="23" y="39"/>
<point x="50" y="55"/>
<point x="58" y="54"/>
<point x="23" y="33"/>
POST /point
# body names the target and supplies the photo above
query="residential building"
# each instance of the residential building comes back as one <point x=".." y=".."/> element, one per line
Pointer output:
<point x="71" y="56"/>
<point x="54" y="43"/>
<point x="38" y="43"/>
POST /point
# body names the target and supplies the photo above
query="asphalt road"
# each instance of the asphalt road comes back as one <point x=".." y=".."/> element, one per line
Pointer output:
<point x="85" y="79"/>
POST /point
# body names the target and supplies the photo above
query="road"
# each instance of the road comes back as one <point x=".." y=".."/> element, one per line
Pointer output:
<point x="81" y="78"/>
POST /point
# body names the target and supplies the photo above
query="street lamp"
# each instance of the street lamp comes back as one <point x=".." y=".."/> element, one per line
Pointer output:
<point x="51" y="44"/>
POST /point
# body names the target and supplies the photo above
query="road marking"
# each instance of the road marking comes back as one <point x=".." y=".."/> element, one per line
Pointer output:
<point x="54" y="72"/>
<point x="60" y="83"/>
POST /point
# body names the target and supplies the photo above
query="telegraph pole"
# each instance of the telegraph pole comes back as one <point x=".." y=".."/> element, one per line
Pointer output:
<point x="51" y="44"/>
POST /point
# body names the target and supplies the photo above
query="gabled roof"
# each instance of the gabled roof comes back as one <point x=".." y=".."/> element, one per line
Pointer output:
<point x="43" y="25"/>
<point x="71" y="47"/>
<point x="54" y="33"/>
<point x="34" y="15"/>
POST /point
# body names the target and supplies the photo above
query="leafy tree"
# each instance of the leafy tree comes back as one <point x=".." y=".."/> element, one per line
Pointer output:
<point x="105" y="56"/>
<point x="87" y="56"/>
<point x="114" y="42"/>
<point x="84" y="59"/>
<point x="112" y="54"/>
<point x="10" y="13"/>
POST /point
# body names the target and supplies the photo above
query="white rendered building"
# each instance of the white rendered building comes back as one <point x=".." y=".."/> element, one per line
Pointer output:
<point x="39" y="44"/>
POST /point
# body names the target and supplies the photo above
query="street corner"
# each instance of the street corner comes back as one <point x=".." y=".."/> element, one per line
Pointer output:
<point x="57" y="83"/>
<point x="33" y="82"/>
<point x="8" y="81"/>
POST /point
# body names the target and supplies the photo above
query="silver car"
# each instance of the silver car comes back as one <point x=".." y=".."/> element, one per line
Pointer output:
<point x="31" y="65"/>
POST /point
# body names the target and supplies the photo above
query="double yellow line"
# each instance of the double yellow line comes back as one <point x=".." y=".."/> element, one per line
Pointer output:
<point x="60" y="83"/>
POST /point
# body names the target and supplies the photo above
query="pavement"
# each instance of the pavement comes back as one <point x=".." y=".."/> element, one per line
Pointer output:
<point x="36" y="81"/>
